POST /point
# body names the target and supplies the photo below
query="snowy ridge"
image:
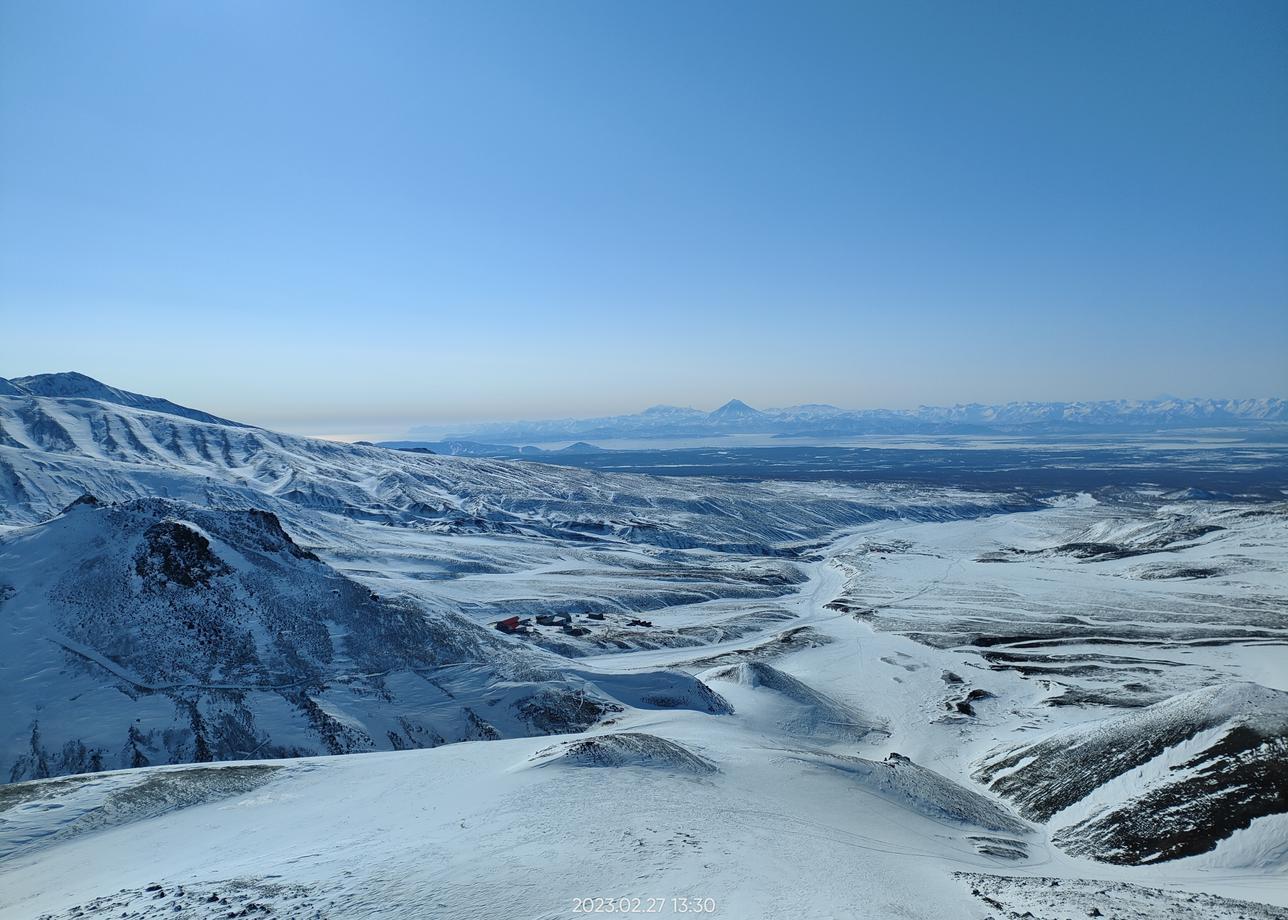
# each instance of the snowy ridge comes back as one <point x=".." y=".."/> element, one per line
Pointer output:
<point x="71" y="385"/>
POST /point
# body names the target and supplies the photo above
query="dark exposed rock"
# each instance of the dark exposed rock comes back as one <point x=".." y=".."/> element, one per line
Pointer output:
<point x="174" y="551"/>
<point x="554" y="711"/>
<point x="1242" y="777"/>
<point x="626" y="749"/>
<point x="1192" y="806"/>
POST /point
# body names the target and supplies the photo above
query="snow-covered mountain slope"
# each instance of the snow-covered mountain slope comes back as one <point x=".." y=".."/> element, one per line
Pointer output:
<point x="155" y="631"/>
<point x="660" y="806"/>
<point x="734" y="412"/>
<point x="505" y="829"/>
<point x="192" y="627"/>
<point x="736" y="416"/>
<point x="773" y="695"/>
<point x="71" y="385"/>
<point x="52" y="450"/>
<point x="768" y="816"/>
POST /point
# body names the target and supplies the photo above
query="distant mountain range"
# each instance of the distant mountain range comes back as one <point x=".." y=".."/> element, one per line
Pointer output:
<point x="820" y="420"/>
<point x="812" y="420"/>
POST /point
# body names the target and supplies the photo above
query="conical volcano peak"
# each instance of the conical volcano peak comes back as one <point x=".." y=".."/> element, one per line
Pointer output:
<point x="734" y="408"/>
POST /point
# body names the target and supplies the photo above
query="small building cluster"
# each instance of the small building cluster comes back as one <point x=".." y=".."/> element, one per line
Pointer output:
<point x="517" y="625"/>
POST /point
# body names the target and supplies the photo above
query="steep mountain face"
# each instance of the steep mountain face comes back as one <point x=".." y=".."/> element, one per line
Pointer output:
<point x="71" y="385"/>
<point x="155" y="631"/>
<point x="175" y="594"/>
<point x="824" y="420"/>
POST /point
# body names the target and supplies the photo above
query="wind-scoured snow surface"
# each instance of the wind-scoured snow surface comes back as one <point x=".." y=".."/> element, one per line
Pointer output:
<point x="796" y="700"/>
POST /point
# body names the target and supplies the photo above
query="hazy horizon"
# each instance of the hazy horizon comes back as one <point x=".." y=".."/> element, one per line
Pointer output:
<point x="378" y="425"/>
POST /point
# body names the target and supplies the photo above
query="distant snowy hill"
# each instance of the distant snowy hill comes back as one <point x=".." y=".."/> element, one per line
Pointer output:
<point x="71" y="385"/>
<point x="819" y="420"/>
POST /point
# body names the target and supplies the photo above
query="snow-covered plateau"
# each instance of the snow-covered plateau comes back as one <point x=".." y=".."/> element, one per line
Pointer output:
<point x="246" y="674"/>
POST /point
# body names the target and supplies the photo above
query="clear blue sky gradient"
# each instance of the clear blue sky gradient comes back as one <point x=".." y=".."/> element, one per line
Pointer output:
<point x="337" y="217"/>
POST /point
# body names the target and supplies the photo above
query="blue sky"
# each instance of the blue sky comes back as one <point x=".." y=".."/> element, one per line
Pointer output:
<point x="343" y="217"/>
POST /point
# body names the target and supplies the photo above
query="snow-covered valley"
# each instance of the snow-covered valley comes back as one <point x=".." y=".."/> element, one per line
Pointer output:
<point x="774" y="699"/>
